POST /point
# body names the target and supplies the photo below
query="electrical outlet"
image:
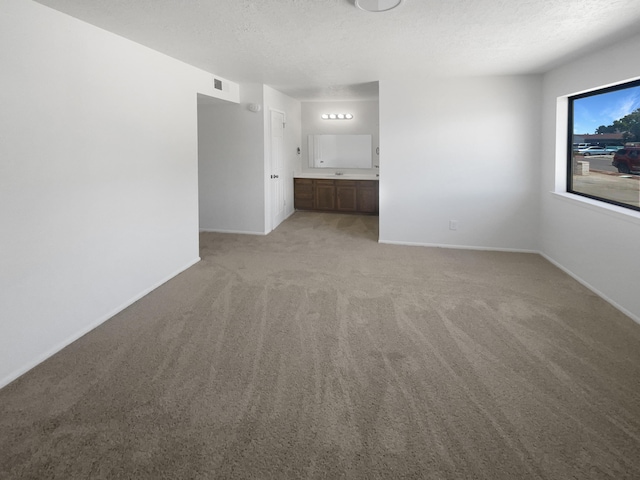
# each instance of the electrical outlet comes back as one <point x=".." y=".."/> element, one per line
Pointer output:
<point x="453" y="224"/>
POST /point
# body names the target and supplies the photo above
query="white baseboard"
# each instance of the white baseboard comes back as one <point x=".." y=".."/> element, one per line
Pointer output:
<point x="629" y="314"/>
<point x="458" y="247"/>
<point x="55" y="349"/>
<point x="613" y="303"/>
<point x="240" y="232"/>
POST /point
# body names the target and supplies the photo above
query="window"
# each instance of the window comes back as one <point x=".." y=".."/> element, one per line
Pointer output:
<point x="604" y="145"/>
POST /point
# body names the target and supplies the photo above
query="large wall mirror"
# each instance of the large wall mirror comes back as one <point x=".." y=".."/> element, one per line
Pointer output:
<point x="340" y="151"/>
<point x="348" y="145"/>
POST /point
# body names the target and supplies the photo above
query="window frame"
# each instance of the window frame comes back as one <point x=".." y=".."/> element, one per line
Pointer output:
<point x="569" y="154"/>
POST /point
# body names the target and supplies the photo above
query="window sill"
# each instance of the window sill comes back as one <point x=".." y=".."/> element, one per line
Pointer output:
<point x="621" y="213"/>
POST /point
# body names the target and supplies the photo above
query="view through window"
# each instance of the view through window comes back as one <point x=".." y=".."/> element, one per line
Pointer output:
<point x="604" y="145"/>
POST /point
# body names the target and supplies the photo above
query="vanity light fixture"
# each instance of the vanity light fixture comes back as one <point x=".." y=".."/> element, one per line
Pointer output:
<point x="377" y="5"/>
<point x="337" y="116"/>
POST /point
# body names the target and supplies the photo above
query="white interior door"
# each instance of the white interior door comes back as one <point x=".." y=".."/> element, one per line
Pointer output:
<point x="277" y="169"/>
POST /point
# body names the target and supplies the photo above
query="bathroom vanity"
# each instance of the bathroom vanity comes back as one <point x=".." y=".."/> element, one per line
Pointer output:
<point x="325" y="186"/>
<point x="344" y="195"/>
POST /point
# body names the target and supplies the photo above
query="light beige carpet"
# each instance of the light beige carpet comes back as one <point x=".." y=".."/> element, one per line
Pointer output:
<point x="316" y="352"/>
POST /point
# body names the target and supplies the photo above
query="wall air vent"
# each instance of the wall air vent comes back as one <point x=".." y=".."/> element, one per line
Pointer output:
<point x="217" y="84"/>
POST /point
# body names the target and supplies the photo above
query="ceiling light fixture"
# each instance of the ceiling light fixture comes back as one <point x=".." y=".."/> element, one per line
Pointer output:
<point x="377" y="5"/>
<point x="337" y="116"/>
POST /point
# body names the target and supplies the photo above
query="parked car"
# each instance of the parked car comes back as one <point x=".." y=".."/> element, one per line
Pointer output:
<point x="627" y="160"/>
<point x="580" y="146"/>
<point x="593" y="151"/>
<point x="613" y="148"/>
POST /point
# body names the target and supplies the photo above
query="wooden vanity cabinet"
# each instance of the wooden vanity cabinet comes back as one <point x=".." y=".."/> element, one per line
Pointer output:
<point x="328" y="195"/>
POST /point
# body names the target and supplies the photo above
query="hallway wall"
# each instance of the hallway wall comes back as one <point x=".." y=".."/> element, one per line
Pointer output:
<point x="98" y="177"/>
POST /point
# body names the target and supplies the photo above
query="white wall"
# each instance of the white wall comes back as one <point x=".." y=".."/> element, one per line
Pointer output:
<point x="234" y="163"/>
<point x="98" y="177"/>
<point x="291" y="107"/>
<point x="595" y="242"/>
<point x="365" y="121"/>
<point x="464" y="149"/>
<point x="231" y="164"/>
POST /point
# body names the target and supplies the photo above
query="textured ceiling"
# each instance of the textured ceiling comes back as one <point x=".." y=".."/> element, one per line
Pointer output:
<point x="330" y="49"/>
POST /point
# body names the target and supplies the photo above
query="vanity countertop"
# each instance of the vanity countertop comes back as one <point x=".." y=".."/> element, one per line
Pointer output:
<point x="345" y="176"/>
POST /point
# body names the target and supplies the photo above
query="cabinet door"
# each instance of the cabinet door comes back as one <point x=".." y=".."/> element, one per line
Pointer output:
<point x="325" y="193"/>
<point x="346" y="197"/>
<point x="303" y="194"/>
<point x="367" y="197"/>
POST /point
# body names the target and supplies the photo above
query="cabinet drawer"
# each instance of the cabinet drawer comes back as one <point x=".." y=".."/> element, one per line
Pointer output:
<point x="303" y="181"/>
<point x="345" y="183"/>
<point x="367" y="184"/>
<point x="303" y="188"/>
